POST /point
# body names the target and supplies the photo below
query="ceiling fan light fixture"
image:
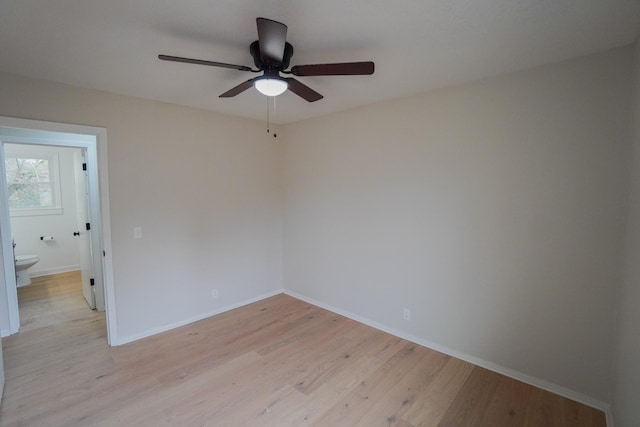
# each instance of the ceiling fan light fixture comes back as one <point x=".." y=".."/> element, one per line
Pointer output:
<point x="271" y="86"/>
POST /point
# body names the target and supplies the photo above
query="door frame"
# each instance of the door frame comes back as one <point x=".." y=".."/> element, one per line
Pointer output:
<point x="94" y="140"/>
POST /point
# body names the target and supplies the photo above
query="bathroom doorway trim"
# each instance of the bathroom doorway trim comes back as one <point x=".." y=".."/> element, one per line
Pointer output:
<point x="94" y="140"/>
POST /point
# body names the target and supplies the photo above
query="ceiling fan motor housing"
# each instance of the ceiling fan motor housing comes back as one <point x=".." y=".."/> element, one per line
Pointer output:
<point x="254" y="49"/>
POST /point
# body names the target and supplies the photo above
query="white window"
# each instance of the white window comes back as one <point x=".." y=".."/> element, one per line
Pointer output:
<point x="33" y="183"/>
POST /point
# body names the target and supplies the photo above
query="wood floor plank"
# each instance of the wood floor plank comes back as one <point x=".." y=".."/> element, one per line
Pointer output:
<point x="339" y="356"/>
<point x="429" y="407"/>
<point x="543" y="410"/>
<point x="399" y="398"/>
<point x="277" y="362"/>
<point x="371" y="390"/>
<point x="263" y="410"/>
<point x="472" y="400"/>
<point x="508" y="405"/>
<point x="335" y="388"/>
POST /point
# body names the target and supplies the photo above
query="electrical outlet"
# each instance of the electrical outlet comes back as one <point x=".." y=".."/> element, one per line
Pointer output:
<point x="406" y="315"/>
<point x="137" y="232"/>
<point x="214" y="293"/>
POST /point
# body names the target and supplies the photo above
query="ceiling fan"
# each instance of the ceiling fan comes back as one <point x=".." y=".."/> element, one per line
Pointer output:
<point x="271" y="55"/>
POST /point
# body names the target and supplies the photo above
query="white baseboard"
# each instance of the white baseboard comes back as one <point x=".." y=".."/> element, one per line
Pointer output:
<point x="168" y="327"/>
<point x="545" y="385"/>
<point x="55" y="270"/>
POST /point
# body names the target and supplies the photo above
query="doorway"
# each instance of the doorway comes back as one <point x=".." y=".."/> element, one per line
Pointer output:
<point x="92" y="143"/>
<point x="49" y="210"/>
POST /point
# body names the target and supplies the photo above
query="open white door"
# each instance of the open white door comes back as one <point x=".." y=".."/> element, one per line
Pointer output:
<point x="82" y="232"/>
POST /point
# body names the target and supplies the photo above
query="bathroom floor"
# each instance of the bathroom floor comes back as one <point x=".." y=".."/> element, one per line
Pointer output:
<point x="52" y="301"/>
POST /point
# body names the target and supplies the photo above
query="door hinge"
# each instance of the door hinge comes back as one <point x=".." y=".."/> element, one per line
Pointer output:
<point x="88" y="226"/>
<point x="92" y="282"/>
<point x="84" y="166"/>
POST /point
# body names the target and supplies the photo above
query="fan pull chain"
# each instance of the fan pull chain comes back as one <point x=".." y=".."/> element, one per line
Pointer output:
<point x="267" y="114"/>
<point x="275" y="135"/>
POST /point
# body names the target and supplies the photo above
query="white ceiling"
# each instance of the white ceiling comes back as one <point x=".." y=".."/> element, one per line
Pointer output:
<point x="417" y="45"/>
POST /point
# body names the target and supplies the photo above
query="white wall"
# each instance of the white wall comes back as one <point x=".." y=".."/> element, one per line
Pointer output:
<point x="493" y="211"/>
<point x="62" y="253"/>
<point x="205" y="188"/>
<point x="626" y="396"/>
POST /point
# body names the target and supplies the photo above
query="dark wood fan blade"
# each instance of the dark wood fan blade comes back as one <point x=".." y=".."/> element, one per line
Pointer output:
<point x="203" y="62"/>
<point x="272" y="36"/>
<point x="238" y="89"/>
<point x="339" y="69"/>
<point x="303" y="90"/>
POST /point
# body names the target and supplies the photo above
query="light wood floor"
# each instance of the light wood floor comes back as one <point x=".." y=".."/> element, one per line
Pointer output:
<point x="278" y="362"/>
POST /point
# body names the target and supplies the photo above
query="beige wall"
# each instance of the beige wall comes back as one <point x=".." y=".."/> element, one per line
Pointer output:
<point x="493" y="211"/>
<point x="205" y="188"/>
<point x="626" y="396"/>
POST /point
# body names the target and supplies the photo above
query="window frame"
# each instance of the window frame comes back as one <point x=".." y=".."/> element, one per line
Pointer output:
<point x="30" y="152"/>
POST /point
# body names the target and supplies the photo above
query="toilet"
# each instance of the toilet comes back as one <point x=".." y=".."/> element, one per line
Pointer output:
<point x="23" y="262"/>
